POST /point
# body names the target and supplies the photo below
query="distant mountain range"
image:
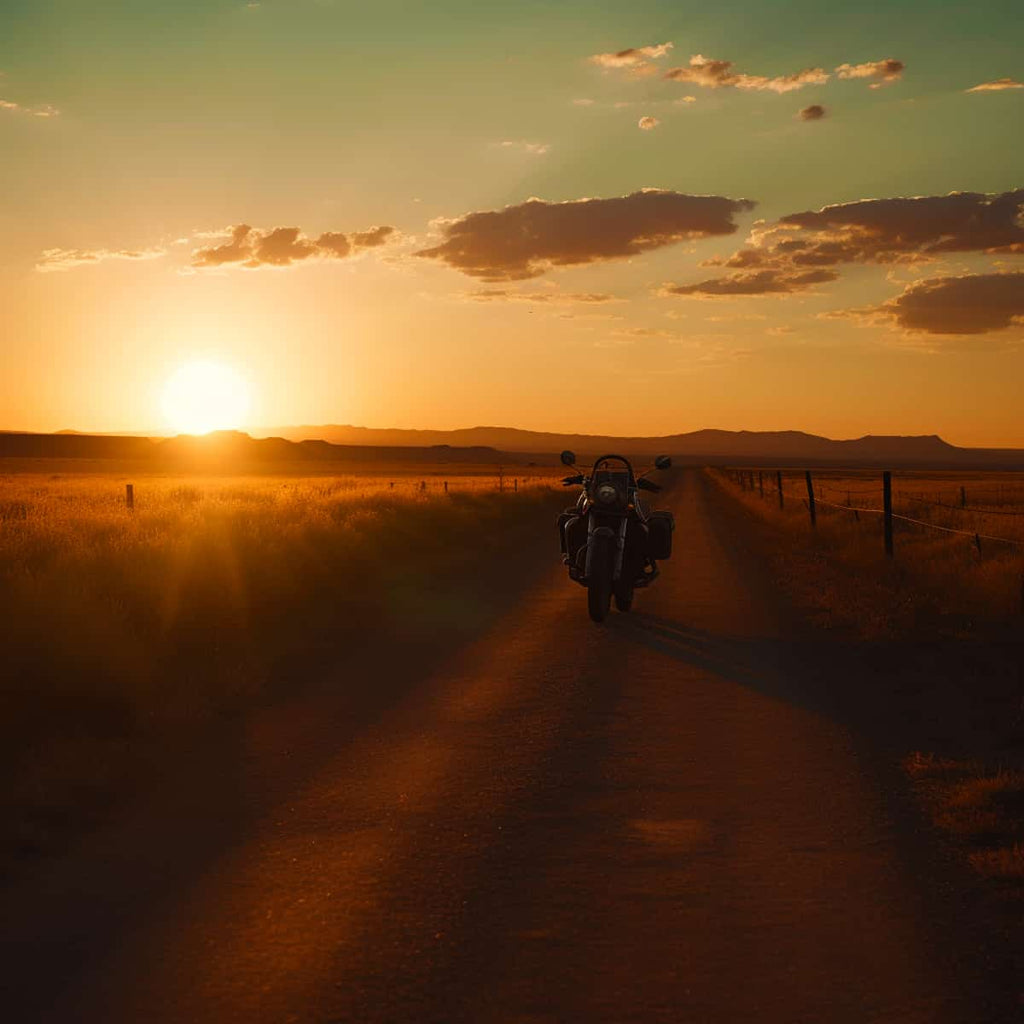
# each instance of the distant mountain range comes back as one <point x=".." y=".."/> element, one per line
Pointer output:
<point x="496" y="445"/>
<point x="787" y="446"/>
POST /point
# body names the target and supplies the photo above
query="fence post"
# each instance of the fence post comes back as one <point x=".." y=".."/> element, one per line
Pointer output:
<point x="810" y="498"/>
<point x="515" y="484"/>
<point x="963" y="496"/>
<point x="887" y="508"/>
<point x="778" y="483"/>
<point x="760" y="482"/>
<point x="501" y="478"/>
<point x="446" y="487"/>
<point x="977" y="542"/>
<point x="129" y="497"/>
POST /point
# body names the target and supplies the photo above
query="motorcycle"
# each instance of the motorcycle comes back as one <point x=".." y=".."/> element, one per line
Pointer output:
<point x="610" y="542"/>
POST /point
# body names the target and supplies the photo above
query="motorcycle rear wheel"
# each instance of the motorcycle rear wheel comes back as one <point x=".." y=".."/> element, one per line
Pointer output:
<point x="599" y="582"/>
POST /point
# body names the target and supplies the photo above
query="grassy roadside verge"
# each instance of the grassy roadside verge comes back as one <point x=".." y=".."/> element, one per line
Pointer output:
<point x="935" y="655"/>
<point x="124" y="633"/>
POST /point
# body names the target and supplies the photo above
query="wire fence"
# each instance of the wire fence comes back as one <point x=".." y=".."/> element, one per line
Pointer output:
<point x="774" y="485"/>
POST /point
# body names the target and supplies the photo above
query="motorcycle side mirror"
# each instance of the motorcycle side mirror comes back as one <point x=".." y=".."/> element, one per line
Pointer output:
<point x="568" y="458"/>
<point x="662" y="462"/>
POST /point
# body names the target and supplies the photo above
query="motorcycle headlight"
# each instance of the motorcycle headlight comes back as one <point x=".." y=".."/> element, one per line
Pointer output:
<point x="607" y="494"/>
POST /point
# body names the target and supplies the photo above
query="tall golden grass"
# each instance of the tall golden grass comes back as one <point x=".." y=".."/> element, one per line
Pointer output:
<point x="119" y="625"/>
<point x="936" y="583"/>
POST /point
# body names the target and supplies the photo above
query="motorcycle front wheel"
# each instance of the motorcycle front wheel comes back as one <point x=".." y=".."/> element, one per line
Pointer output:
<point x="599" y="582"/>
<point x="624" y="597"/>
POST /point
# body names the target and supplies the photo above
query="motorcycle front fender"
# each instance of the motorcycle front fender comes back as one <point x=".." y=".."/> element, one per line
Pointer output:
<point x="598" y="537"/>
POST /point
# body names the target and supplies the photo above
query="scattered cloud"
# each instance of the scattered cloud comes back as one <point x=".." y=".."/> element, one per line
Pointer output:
<point x="551" y="297"/>
<point x="18" y="108"/>
<point x="644" y="332"/>
<point x="815" y="112"/>
<point x="773" y="281"/>
<point x="535" y="148"/>
<point x="525" y="240"/>
<point x="583" y="101"/>
<point x="971" y="304"/>
<point x="997" y="85"/>
<point x="647" y="123"/>
<point x="66" y="259"/>
<point x="886" y="230"/>
<point x="283" y="247"/>
<point x="683" y="100"/>
<point x="635" y="59"/>
<point x="882" y="71"/>
<point x="731" y="317"/>
<point x="720" y="74"/>
<point x="897" y="231"/>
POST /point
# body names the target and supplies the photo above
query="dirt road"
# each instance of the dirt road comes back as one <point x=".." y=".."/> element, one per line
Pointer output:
<point x="654" y="820"/>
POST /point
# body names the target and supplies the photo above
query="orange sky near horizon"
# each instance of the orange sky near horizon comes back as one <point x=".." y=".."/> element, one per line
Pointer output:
<point x="572" y="219"/>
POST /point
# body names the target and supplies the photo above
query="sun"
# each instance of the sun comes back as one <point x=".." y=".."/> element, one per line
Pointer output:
<point x="203" y="396"/>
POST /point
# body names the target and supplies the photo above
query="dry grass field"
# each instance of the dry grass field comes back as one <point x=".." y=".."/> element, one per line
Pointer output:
<point x="121" y="628"/>
<point x="958" y="567"/>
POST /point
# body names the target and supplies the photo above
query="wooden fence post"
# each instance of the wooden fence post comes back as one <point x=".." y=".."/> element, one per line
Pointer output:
<point x="760" y="482"/>
<point x="963" y="496"/>
<point x="887" y="509"/>
<point x="778" y="483"/>
<point x="501" y="478"/>
<point x="810" y="498"/>
<point x="129" y="497"/>
<point x="515" y="484"/>
<point x="446" y="487"/>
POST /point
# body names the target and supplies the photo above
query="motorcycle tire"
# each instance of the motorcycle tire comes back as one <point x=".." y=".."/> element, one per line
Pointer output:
<point x="599" y="584"/>
<point x="624" y="598"/>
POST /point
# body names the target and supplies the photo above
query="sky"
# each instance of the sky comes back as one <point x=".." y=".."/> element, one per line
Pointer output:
<point x="640" y="218"/>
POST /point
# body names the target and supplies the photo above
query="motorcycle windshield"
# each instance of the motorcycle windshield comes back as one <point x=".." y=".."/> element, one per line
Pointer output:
<point x="617" y="478"/>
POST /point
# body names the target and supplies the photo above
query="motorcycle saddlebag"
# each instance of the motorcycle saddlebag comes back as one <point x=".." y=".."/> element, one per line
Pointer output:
<point x="659" y="533"/>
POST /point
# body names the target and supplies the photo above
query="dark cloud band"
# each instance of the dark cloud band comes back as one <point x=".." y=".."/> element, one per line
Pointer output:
<point x="525" y="240"/>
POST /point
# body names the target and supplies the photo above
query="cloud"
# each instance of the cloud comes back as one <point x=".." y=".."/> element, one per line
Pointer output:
<point x="896" y="231"/>
<point x="523" y="241"/>
<point x="815" y="112"/>
<point x="283" y="247"/>
<point x="997" y="86"/>
<point x="66" y="259"/>
<point x="635" y="58"/>
<point x="719" y="74"/>
<point x="971" y="304"/>
<point x="647" y="123"/>
<point x="774" y="281"/>
<point x="583" y="101"/>
<point x="682" y="100"/>
<point x="884" y="230"/>
<point x="887" y="231"/>
<point x="644" y="332"/>
<point x="44" y="111"/>
<point x="536" y="148"/>
<point x="371" y="239"/>
<point x="883" y="71"/>
<point x="549" y="297"/>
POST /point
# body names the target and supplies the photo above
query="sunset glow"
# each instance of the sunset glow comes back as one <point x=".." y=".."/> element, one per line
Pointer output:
<point x="205" y="396"/>
<point x="441" y="232"/>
